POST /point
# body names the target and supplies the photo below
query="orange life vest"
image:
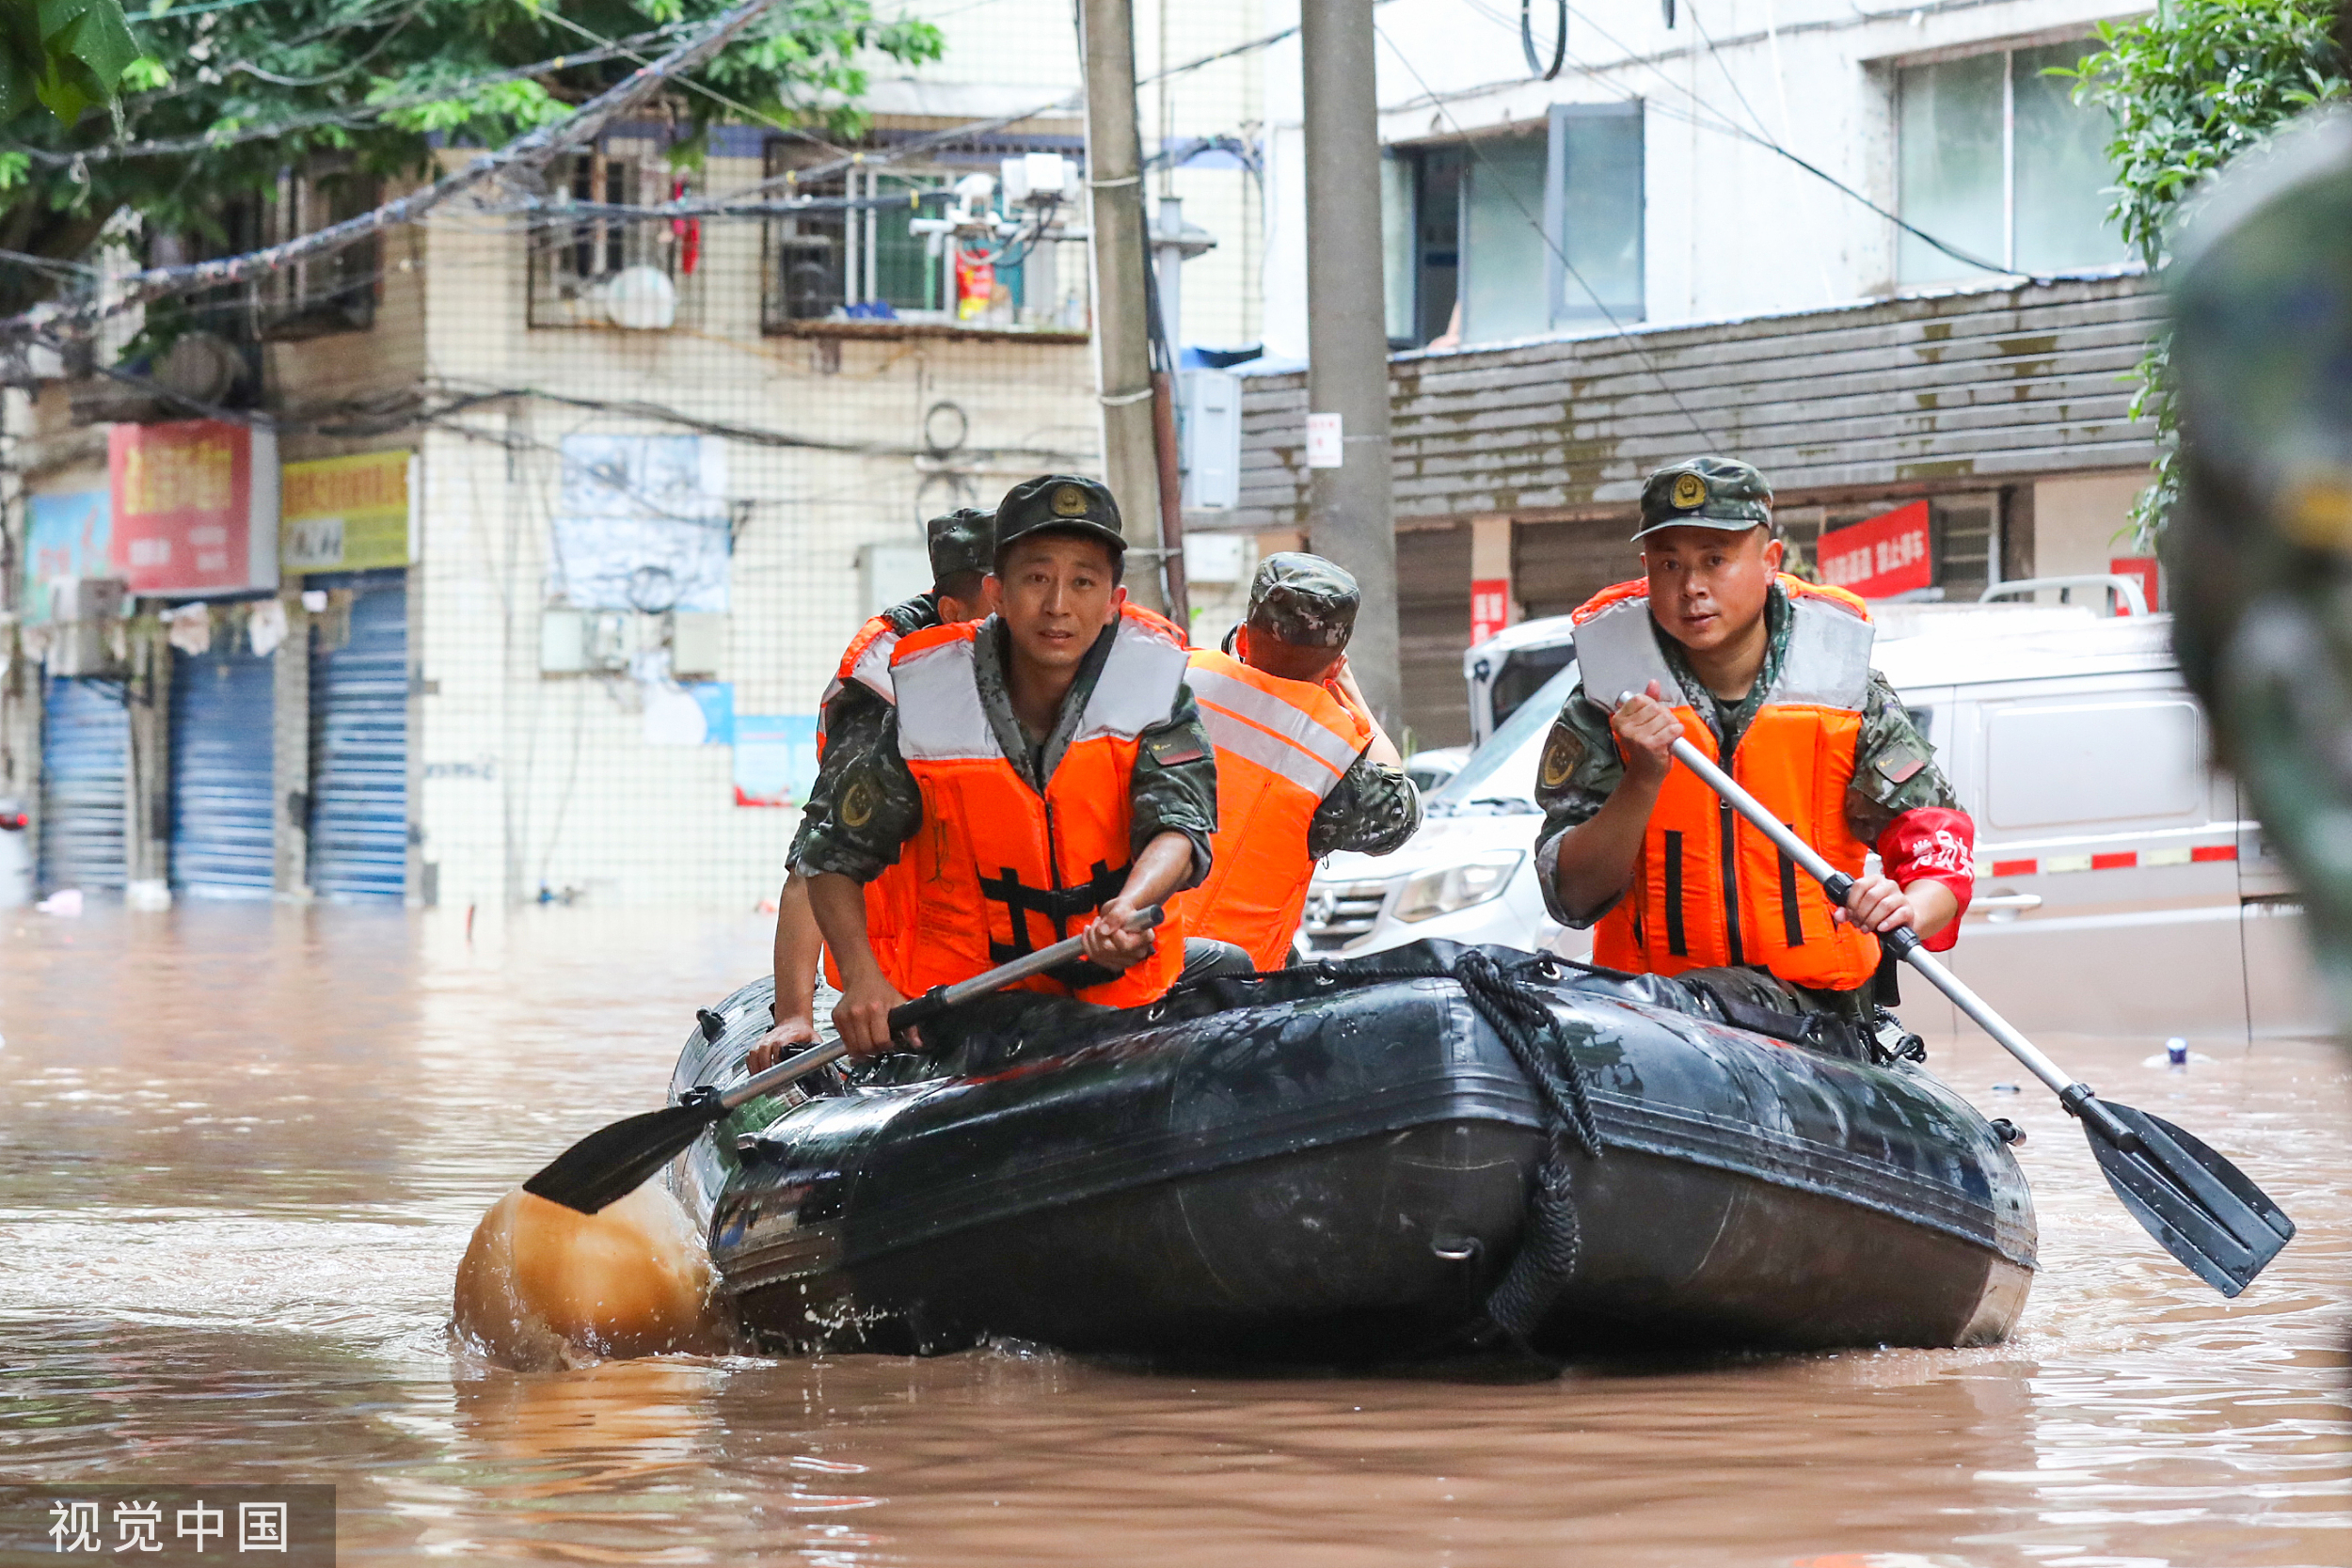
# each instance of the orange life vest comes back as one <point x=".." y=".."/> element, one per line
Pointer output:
<point x="999" y="870"/>
<point x="1709" y="889"/>
<point x="1282" y="747"/>
<point x="889" y="898"/>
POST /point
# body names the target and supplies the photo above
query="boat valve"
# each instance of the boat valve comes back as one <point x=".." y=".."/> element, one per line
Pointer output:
<point x="2008" y="1130"/>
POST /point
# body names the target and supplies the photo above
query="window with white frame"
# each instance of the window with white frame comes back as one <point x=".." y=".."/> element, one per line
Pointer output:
<point x="602" y="268"/>
<point x="1518" y="234"/>
<point x="862" y="262"/>
<point x="1999" y="163"/>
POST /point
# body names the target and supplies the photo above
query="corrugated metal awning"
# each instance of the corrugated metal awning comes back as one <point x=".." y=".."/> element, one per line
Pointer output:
<point x="2016" y="381"/>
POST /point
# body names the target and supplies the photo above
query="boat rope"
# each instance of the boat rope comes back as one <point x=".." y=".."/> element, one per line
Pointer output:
<point x="1518" y="1012"/>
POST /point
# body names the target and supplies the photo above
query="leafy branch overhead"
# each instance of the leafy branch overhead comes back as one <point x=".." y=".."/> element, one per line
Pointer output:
<point x="2190" y="89"/>
<point x="217" y="96"/>
<point x="61" y="56"/>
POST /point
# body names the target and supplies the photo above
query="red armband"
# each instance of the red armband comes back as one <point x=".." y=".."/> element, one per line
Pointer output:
<point x="1932" y="844"/>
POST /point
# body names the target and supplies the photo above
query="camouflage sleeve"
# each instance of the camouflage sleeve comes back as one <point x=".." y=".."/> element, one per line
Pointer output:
<point x="1373" y="810"/>
<point x="1895" y="767"/>
<point x="1174" y="788"/>
<point x="1579" y="770"/>
<point x="865" y="804"/>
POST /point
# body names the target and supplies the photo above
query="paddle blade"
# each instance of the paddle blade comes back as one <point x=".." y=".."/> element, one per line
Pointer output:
<point x="612" y="1162"/>
<point x="2204" y="1209"/>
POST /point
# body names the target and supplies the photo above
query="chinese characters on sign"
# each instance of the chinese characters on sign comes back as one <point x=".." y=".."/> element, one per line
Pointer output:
<point x="1880" y="556"/>
<point x="345" y="514"/>
<point x="194" y="507"/>
<point x="775" y="758"/>
<point x="1491" y="607"/>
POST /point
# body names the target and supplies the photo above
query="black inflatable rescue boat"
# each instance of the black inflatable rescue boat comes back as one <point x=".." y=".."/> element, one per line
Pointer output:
<point x="1411" y="1154"/>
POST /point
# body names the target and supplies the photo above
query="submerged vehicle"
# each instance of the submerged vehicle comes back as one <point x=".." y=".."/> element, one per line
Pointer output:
<point x="1427" y="1152"/>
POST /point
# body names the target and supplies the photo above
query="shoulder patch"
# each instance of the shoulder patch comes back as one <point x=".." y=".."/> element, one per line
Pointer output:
<point x="1561" y="754"/>
<point x="857" y="803"/>
<point x="1898" y="764"/>
<point x="1175" y="751"/>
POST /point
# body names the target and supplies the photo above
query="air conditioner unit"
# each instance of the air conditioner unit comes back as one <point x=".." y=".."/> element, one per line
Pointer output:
<point x="582" y="641"/>
<point x="87" y="600"/>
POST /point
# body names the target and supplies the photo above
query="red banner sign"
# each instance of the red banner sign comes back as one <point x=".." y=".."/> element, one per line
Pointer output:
<point x="2142" y="570"/>
<point x="194" y="507"/>
<point x="1491" y="607"/>
<point x="1880" y="556"/>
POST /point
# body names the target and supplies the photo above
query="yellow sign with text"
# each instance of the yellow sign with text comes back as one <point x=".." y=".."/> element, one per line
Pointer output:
<point x="344" y="514"/>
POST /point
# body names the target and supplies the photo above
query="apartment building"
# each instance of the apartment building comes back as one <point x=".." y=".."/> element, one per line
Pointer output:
<point x="1864" y="249"/>
<point x="516" y="547"/>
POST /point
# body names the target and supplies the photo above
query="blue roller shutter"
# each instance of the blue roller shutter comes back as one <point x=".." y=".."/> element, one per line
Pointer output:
<point x="221" y="776"/>
<point x="84" y="764"/>
<point x="360" y="755"/>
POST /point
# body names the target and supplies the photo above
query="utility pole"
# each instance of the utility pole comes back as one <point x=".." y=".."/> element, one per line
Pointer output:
<point x="1351" y="512"/>
<point x="1123" y="344"/>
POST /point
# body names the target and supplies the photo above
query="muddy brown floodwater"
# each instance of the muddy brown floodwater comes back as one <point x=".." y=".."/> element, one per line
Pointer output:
<point x="241" y="1150"/>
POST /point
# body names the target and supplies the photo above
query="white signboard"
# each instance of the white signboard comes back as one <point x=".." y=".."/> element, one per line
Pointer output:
<point x="1325" y="445"/>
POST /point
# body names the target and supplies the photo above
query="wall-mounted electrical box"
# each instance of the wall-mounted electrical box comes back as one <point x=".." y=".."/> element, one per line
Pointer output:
<point x="586" y="642"/>
<point x="892" y="574"/>
<point x="1208" y="409"/>
<point x="698" y="642"/>
<point x="1216" y="557"/>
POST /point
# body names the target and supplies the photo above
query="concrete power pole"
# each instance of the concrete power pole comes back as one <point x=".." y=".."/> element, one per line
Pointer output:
<point x="1351" y="514"/>
<point x="1123" y="344"/>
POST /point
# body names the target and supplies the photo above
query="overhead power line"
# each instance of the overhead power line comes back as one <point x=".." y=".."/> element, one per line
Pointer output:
<point x="363" y="114"/>
<point x="524" y="152"/>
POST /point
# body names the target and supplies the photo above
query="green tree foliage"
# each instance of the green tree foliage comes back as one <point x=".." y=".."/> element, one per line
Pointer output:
<point x="2191" y="87"/>
<point x="223" y="94"/>
<point x="64" y="55"/>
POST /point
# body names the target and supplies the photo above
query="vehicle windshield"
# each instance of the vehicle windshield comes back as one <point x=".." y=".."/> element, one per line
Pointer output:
<point x="1501" y="775"/>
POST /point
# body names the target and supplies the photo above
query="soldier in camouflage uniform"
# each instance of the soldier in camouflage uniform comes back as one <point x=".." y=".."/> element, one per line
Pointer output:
<point x="870" y="804"/>
<point x="963" y="546"/>
<point x="1722" y="621"/>
<point x="1303" y="767"/>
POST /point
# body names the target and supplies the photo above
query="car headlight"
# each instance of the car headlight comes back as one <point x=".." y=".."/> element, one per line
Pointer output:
<point x="1457" y="887"/>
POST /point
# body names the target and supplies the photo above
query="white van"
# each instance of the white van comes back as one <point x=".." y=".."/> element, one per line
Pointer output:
<point x="2122" y="888"/>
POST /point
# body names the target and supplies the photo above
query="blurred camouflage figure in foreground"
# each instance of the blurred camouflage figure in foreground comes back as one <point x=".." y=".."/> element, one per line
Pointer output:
<point x="2261" y="548"/>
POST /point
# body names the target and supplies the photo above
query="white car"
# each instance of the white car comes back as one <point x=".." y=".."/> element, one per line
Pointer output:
<point x="1432" y="765"/>
<point x="2121" y="885"/>
<point x="1467" y="875"/>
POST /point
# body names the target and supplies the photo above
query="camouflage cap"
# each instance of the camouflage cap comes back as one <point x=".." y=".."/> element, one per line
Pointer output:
<point x="1303" y="600"/>
<point x="962" y="541"/>
<point x="1705" y="492"/>
<point x="1058" y="503"/>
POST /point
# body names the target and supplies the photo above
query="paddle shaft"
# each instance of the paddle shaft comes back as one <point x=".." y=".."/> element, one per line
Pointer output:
<point x="929" y="1004"/>
<point x="1906" y="945"/>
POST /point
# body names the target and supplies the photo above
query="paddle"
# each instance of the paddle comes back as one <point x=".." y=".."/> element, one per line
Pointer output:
<point x="2201" y="1208"/>
<point x="612" y="1162"/>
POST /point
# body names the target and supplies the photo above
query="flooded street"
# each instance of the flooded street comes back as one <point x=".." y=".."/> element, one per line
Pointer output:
<point x="242" y="1148"/>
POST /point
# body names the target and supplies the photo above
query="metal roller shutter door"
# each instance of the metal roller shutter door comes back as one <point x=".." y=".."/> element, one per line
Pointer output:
<point x="360" y="755"/>
<point x="84" y="764"/>
<point x="222" y="779"/>
<point x="1433" y="617"/>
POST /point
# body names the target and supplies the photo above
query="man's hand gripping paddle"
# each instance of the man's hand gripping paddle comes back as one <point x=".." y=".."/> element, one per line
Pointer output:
<point x="612" y="1162"/>
<point x="2203" y="1210"/>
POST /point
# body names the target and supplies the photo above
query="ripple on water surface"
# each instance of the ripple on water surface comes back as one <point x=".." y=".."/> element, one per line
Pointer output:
<point x="241" y="1150"/>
